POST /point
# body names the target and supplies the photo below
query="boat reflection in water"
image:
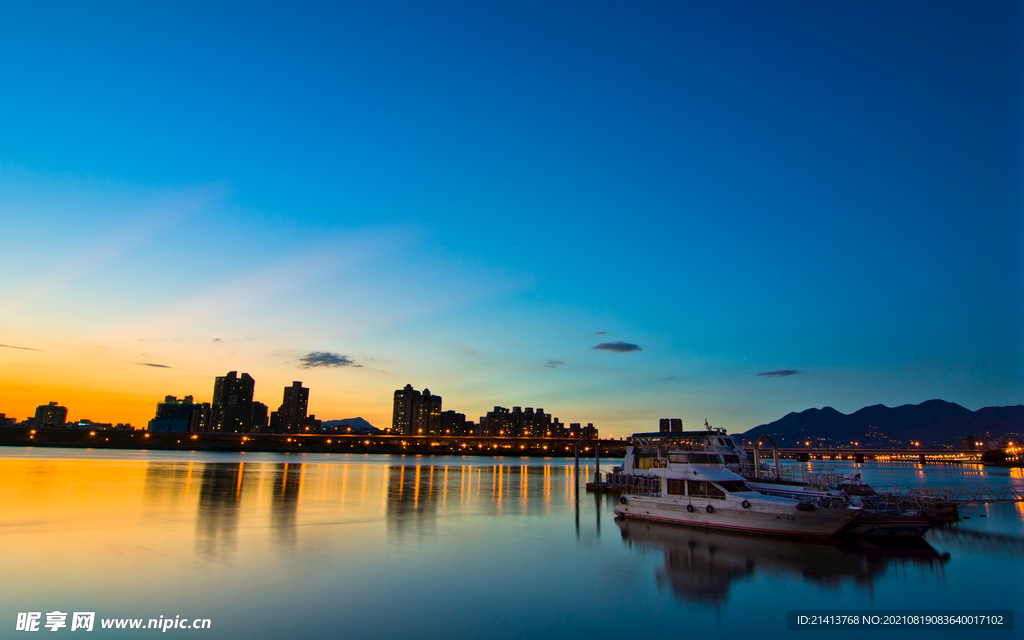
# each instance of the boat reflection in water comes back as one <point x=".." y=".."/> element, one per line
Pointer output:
<point x="701" y="566"/>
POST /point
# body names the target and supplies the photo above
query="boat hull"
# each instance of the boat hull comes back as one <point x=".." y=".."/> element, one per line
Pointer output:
<point x="888" y="526"/>
<point x="731" y="516"/>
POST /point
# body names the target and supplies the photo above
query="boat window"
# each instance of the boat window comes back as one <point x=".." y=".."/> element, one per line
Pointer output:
<point x="733" y="486"/>
<point x="715" y="492"/>
<point x="732" y="459"/>
<point x="676" y="487"/>
<point x="641" y="461"/>
<point x="702" y="458"/>
<point x="697" y="488"/>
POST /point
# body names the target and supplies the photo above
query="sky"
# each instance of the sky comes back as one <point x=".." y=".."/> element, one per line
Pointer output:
<point x="614" y="211"/>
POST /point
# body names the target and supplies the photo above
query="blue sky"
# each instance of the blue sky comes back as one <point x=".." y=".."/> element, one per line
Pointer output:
<point x="462" y="196"/>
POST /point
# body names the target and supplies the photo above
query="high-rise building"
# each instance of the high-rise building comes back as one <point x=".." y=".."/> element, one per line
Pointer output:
<point x="232" y="410"/>
<point x="291" y="417"/>
<point x="415" y="413"/>
<point x="528" y="423"/>
<point x="428" y="423"/>
<point x="200" y="417"/>
<point x="453" y="424"/>
<point x="180" y="416"/>
<point x="407" y="407"/>
<point x="496" y="423"/>
<point x="173" y="415"/>
<point x="666" y="425"/>
<point x="578" y="431"/>
<point x="51" y="415"/>
<point x="258" y="419"/>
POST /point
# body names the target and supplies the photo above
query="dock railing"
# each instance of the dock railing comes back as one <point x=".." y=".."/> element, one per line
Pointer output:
<point x="960" y="494"/>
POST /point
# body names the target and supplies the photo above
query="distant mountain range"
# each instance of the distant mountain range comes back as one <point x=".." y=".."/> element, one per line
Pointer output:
<point x="934" y="422"/>
<point x="358" y="426"/>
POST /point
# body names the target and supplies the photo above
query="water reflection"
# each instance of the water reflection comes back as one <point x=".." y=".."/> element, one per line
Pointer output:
<point x="417" y="494"/>
<point x="412" y="496"/>
<point x="167" y="483"/>
<point x="220" y="495"/>
<point x="702" y="566"/>
<point x="994" y="544"/>
<point x="286" y="484"/>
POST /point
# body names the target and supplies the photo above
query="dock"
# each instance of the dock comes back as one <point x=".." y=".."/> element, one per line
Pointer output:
<point x="959" y="494"/>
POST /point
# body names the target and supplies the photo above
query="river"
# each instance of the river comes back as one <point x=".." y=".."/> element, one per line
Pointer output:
<point x="371" y="546"/>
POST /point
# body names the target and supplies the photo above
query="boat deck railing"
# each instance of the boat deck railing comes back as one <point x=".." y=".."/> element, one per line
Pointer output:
<point x="823" y="479"/>
<point x="632" y="483"/>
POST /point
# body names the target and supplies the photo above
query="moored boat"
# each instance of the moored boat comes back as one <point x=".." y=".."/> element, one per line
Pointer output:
<point x="693" y="488"/>
<point x="879" y="515"/>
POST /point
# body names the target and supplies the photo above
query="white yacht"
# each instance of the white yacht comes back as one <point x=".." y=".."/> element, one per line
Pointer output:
<point x="685" y="482"/>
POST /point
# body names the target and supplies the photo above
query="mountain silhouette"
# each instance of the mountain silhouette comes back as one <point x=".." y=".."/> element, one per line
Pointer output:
<point x="934" y="422"/>
<point x="358" y="426"/>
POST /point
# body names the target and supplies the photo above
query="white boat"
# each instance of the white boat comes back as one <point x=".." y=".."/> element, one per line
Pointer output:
<point x="879" y="515"/>
<point x="689" y="485"/>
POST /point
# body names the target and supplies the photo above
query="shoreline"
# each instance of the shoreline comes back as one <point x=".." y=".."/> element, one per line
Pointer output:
<point x="17" y="436"/>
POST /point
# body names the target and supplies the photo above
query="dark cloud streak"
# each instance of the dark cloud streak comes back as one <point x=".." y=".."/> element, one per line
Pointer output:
<point x="618" y="346"/>
<point x="554" y="364"/>
<point x="326" y="359"/>
<point x="11" y="346"/>
<point x="779" y="373"/>
<point x="153" y="364"/>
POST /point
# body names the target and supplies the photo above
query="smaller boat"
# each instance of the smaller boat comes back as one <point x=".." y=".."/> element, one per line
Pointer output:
<point x="880" y="515"/>
<point x="687" y="484"/>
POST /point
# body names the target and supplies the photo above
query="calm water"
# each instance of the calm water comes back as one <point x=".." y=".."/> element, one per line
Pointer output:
<point x="339" y="546"/>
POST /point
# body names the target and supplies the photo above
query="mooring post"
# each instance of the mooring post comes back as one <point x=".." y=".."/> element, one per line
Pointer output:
<point x="597" y="462"/>
<point x="576" y="472"/>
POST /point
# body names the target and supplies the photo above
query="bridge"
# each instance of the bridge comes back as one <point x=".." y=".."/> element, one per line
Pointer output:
<point x="310" y="443"/>
<point x="860" y="454"/>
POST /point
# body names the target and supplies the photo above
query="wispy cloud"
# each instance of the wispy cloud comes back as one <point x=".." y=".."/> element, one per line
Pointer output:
<point x="217" y="340"/>
<point x="780" y="373"/>
<point x="554" y="364"/>
<point x="11" y="346"/>
<point x="153" y="364"/>
<point x="326" y="359"/>
<point x="618" y="346"/>
<point x="599" y="333"/>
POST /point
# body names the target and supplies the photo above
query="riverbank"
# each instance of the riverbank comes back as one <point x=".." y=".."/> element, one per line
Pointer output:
<point x="296" y="443"/>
